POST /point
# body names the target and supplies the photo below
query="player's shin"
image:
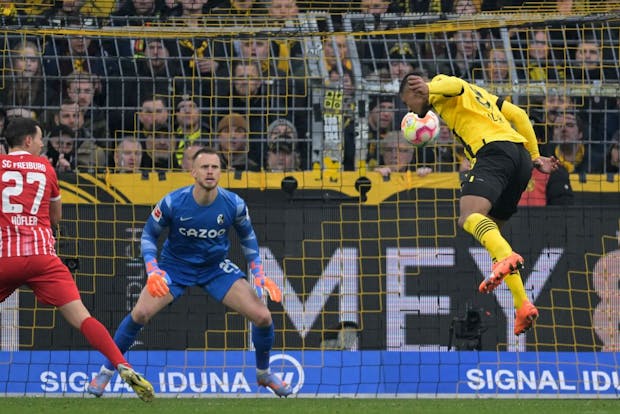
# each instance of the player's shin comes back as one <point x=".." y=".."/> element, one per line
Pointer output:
<point x="262" y="338"/>
<point x="515" y="284"/>
<point x="124" y="337"/>
<point x="487" y="233"/>
<point x="98" y="336"/>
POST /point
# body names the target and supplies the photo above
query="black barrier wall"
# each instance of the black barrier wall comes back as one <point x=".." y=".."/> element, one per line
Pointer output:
<point x="412" y="306"/>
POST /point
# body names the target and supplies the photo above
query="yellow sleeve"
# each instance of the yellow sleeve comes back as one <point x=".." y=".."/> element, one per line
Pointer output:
<point x="445" y="85"/>
<point x="521" y="123"/>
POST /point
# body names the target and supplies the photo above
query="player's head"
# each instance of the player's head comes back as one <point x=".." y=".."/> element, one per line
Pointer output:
<point x="420" y="73"/>
<point x="415" y="102"/>
<point x="24" y="134"/>
<point x="207" y="168"/>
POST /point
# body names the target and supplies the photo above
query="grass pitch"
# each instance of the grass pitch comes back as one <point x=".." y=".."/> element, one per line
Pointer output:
<point x="304" y="405"/>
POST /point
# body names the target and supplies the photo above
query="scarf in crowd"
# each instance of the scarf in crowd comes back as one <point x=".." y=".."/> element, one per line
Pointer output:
<point x="284" y="54"/>
<point x="8" y="10"/>
<point x="570" y="165"/>
<point x="199" y="52"/>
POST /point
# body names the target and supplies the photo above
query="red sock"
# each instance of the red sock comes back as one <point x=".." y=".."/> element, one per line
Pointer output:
<point x="98" y="336"/>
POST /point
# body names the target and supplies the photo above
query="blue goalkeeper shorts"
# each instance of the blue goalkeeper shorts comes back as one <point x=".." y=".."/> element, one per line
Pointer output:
<point x="215" y="279"/>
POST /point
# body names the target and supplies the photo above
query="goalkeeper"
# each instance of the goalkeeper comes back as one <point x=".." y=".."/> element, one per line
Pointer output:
<point x="198" y="218"/>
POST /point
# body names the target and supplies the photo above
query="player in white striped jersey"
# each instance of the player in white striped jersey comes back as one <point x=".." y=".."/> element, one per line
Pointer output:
<point x="30" y="206"/>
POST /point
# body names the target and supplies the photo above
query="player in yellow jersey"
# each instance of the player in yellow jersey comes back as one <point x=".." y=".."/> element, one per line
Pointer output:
<point x="501" y="144"/>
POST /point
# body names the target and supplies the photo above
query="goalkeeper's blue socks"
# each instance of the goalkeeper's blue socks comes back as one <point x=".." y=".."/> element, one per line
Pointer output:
<point x="125" y="336"/>
<point x="262" y="337"/>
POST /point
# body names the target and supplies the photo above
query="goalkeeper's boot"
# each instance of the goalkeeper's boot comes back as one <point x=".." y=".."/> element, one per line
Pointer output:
<point x="501" y="269"/>
<point x="526" y="315"/>
<point x="101" y="380"/>
<point x="275" y="384"/>
<point x="141" y="387"/>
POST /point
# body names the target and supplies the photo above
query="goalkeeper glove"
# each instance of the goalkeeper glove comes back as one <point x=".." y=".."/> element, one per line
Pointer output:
<point x="157" y="281"/>
<point x="263" y="283"/>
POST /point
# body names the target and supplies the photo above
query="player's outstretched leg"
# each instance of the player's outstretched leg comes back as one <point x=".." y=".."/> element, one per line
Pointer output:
<point x="141" y="386"/>
<point x="526" y="315"/>
<point x="274" y="383"/>
<point x="487" y="232"/>
<point x="101" y="380"/>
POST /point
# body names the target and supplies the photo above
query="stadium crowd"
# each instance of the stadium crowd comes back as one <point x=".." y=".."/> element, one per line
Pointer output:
<point x="109" y="100"/>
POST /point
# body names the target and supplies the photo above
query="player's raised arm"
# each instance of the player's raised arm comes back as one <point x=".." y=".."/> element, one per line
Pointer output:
<point x="419" y="95"/>
<point x="522" y="124"/>
<point x="446" y="86"/>
<point x="243" y="226"/>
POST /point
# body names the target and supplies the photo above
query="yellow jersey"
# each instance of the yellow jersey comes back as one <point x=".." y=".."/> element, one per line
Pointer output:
<point x="477" y="117"/>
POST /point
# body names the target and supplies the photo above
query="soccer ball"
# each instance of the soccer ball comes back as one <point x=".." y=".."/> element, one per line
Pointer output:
<point x="420" y="131"/>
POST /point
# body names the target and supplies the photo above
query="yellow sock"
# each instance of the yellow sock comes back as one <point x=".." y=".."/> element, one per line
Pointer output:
<point x="515" y="284"/>
<point x="487" y="233"/>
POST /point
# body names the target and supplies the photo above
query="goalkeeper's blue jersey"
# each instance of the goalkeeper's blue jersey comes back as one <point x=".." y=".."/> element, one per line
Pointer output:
<point x="198" y="235"/>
